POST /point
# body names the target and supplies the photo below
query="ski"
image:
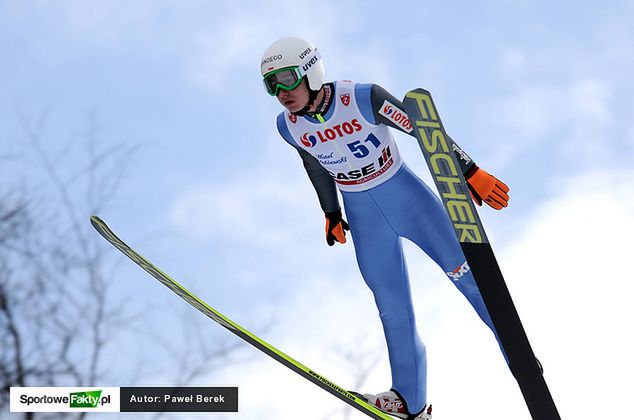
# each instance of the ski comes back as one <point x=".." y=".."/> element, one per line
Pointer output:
<point x="348" y="397"/>
<point x="438" y="149"/>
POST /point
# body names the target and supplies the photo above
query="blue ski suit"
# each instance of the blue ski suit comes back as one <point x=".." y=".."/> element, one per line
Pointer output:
<point x="352" y="150"/>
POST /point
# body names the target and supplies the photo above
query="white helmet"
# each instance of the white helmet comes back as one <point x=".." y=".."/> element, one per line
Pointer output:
<point x="287" y="61"/>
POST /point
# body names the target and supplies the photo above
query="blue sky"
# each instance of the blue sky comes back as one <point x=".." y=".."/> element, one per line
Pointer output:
<point x="538" y="93"/>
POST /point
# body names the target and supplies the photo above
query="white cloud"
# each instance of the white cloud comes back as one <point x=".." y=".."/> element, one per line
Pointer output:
<point x="513" y="60"/>
<point x="105" y="22"/>
<point x="243" y="209"/>
<point x="264" y="207"/>
<point x="237" y="41"/>
<point x="536" y="110"/>
<point x="573" y="120"/>
<point x="568" y="274"/>
<point x="325" y="319"/>
<point x="227" y="48"/>
<point x="570" y="278"/>
<point x="567" y="92"/>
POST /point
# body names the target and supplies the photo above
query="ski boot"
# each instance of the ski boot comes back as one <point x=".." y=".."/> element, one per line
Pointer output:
<point x="391" y="403"/>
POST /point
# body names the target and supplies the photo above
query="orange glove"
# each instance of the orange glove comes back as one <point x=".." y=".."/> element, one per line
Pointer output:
<point x="484" y="185"/>
<point x="335" y="228"/>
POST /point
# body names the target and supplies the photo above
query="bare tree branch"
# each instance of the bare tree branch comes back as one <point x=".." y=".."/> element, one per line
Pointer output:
<point x="58" y="312"/>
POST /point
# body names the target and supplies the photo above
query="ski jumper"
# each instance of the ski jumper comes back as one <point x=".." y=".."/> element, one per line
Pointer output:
<point x="384" y="202"/>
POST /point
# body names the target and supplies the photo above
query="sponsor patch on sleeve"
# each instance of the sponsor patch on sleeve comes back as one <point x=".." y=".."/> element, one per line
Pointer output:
<point x="396" y="115"/>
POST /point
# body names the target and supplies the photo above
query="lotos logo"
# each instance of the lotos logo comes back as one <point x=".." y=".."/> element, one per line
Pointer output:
<point x="398" y="117"/>
<point x="292" y="117"/>
<point x="460" y="271"/>
<point x="331" y="133"/>
<point x="345" y="99"/>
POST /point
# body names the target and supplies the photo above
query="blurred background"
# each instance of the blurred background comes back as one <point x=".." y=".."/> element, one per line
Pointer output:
<point x="152" y="114"/>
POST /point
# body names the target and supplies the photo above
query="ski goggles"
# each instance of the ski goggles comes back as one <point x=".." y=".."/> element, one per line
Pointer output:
<point x="287" y="78"/>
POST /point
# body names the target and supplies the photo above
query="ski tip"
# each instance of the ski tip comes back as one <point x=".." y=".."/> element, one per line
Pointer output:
<point x="418" y="91"/>
<point x="97" y="223"/>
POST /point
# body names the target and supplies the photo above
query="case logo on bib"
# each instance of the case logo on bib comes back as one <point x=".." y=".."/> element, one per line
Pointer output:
<point x="368" y="172"/>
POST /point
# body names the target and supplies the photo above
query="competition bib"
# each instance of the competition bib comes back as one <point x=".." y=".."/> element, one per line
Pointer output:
<point x="359" y="155"/>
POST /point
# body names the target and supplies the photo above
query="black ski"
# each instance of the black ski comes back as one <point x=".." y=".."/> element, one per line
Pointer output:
<point x="350" y="398"/>
<point x="437" y="148"/>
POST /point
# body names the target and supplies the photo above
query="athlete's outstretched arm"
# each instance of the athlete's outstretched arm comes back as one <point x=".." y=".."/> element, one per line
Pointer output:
<point x="324" y="186"/>
<point x="483" y="186"/>
<point x="379" y="96"/>
<point x="322" y="181"/>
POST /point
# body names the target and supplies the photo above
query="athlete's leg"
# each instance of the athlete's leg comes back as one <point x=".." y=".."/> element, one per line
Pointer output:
<point x="380" y="257"/>
<point x="419" y="216"/>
